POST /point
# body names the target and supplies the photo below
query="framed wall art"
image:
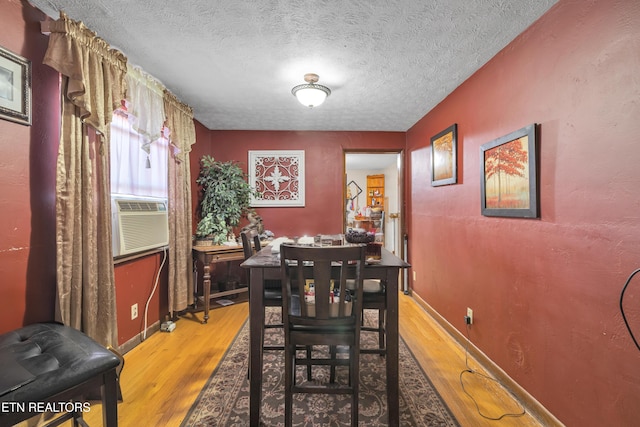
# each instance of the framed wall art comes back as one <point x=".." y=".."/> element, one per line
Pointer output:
<point x="278" y="177"/>
<point x="508" y="175"/>
<point x="353" y="190"/>
<point x="444" y="147"/>
<point x="15" y="88"/>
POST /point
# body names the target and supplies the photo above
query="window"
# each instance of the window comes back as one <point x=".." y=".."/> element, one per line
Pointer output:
<point x="138" y="166"/>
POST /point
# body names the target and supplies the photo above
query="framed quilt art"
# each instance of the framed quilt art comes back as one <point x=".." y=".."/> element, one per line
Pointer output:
<point x="278" y="177"/>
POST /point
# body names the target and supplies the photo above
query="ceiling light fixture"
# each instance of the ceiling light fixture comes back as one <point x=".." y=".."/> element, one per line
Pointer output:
<point x="311" y="94"/>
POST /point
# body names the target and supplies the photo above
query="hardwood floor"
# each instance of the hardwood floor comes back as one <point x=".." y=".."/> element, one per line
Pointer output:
<point x="164" y="374"/>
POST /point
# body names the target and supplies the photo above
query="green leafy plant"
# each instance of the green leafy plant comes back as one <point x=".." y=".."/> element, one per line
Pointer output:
<point x="225" y="197"/>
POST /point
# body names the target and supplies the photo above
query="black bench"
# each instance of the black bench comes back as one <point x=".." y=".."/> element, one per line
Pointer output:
<point x="51" y="367"/>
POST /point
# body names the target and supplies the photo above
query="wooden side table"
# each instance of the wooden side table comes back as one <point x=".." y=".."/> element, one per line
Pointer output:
<point x="210" y="255"/>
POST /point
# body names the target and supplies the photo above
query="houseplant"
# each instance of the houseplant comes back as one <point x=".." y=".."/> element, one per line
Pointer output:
<point x="225" y="197"/>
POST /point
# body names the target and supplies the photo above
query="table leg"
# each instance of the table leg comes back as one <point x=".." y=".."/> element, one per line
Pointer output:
<point x="256" y="325"/>
<point x="392" y="348"/>
<point x="206" y="285"/>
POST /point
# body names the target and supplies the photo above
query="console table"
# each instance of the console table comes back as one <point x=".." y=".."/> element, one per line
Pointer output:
<point x="208" y="255"/>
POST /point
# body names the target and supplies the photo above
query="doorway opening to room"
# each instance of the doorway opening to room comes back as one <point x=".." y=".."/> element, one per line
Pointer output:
<point x="373" y="196"/>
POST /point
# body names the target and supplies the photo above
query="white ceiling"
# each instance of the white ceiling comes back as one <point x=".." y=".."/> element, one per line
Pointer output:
<point x="387" y="62"/>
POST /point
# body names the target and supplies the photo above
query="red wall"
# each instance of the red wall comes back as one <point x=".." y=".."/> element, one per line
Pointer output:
<point x="27" y="179"/>
<point x="324" y="172"/>
<point x="135" y="282"/>
<point x="545" y="292"/>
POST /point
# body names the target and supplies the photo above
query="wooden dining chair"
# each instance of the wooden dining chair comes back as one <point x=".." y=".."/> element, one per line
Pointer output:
<point x="374" y="297"/>
<point x="272" y="295"/>
<point x="321" y="318"/>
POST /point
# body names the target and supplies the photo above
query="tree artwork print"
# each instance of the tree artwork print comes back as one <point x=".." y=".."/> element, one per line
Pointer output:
<point x="507" y="175"/>
<point x="444" y="157"/>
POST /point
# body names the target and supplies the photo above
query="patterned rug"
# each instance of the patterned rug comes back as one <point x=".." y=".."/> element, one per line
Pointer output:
<point x="224" y="401"/>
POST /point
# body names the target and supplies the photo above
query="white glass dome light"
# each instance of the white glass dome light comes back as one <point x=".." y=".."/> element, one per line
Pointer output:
<point x="311" y="94"/>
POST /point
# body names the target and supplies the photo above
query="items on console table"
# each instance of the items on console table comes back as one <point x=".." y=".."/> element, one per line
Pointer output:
<point x="208" y="255"/>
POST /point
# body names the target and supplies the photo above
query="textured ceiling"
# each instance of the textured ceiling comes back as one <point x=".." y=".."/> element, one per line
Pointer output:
<point x="387" y="62"/>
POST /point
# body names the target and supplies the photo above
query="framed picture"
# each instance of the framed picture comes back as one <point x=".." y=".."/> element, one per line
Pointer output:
<point x="509" y="175"/>
<point x="278" y="177"/>
<point x="15" y="88"/>
<point x="444" y="147"/>
<point x="353" y="190"/>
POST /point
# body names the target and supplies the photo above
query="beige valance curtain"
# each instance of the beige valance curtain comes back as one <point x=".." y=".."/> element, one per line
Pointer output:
<point x="92" y="88"/>
<point x="183" y="136"/>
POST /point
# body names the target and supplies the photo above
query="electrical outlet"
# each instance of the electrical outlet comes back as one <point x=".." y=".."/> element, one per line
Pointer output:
<point x="414" y="275"/>
<point x="134" y="311"/>
<point x="469" y="317"/>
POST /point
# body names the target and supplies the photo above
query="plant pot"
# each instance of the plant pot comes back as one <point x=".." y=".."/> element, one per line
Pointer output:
<point x="203" y="242"/>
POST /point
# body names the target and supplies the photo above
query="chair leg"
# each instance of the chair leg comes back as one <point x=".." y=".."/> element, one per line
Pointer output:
<point x="332" y="353"/>
<point x="381" y="327"/>
<point x="309" y="349"/>
<point x="109" y="391"/>
<point x="289" y="380"/>
<point x="354" y="380"/>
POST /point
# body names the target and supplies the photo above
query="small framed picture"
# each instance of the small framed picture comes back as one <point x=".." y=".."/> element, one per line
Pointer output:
<point x="444" y="147"/>
<point x="353" y="190"/>
<point x="508" y="175"/>
<point x="15" y="88"/>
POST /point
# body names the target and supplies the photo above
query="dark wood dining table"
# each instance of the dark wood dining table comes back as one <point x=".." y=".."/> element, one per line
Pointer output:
<point x="265" y="265"/>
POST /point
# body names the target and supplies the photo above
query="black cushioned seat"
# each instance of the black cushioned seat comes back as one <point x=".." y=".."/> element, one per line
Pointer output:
<point x="53" y="363"/>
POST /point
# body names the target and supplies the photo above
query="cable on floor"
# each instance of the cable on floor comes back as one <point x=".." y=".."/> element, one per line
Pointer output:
<point x="474" y="372"/>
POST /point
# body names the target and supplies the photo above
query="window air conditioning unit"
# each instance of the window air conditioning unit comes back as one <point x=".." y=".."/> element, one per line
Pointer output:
<point x="139" y="224"/>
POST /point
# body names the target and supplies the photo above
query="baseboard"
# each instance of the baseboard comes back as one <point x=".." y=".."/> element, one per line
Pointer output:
<point x="531" y="405"/>
<point x="137" y="339"/>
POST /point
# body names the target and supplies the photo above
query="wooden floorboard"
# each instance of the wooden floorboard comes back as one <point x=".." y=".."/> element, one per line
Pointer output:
<point x="164" y="374"/>
<point x="443" y="359"/>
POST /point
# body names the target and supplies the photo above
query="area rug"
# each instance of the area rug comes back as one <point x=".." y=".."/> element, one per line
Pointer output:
<point x="224" y="400"/>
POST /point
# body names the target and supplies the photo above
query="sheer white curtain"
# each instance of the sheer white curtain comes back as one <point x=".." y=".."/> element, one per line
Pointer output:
<point x="145" y="103"/>
<point x="134" y="170"/>
<point x="139" y="145"/>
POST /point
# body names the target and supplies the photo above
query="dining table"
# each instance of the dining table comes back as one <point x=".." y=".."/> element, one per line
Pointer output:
<point x="265" y="265"/>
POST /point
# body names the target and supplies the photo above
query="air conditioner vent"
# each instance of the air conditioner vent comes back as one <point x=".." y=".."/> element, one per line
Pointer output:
<point x="138" y="224"/>
<point x="141" y="206"/>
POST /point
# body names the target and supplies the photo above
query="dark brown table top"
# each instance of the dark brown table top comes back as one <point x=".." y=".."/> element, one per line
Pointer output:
<point x="268" y="259"/>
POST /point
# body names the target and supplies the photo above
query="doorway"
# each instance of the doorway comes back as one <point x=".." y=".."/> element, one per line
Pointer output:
<point x="372" y="190"/>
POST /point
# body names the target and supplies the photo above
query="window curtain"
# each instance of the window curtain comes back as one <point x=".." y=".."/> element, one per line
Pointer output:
<point x="145" y="105"/>
<point x="93" y="83"/>
<point x="183" y="136"/>
<point x="133" y="170"/>
<point x="139" y="151"/>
